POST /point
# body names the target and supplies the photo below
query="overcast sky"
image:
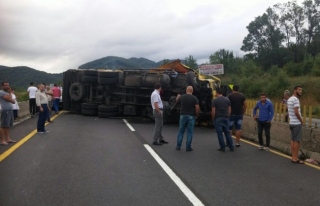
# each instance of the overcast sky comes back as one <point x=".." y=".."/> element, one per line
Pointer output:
<point x="56" y="35"/>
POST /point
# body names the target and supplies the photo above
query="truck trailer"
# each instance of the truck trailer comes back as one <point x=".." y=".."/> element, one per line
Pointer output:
<point x="126" y="92"/>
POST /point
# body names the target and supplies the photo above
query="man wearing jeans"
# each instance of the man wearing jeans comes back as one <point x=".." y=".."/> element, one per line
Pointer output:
<point x="221" y="110"/>
<point x="157" y="107"/>
<point x="188" y="112"/>
<point x="264" y="119"/>
<point x="56" y="93"/>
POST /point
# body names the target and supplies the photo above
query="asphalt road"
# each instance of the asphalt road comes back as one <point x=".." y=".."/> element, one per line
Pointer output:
<point x="92" y="161"/>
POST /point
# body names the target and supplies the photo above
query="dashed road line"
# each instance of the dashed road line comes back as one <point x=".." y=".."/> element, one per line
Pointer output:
<point x="127" y="123"/>
<point x="182" y="186"/>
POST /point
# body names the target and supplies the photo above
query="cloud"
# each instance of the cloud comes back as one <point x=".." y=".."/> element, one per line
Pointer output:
<point x="54" y="36"/>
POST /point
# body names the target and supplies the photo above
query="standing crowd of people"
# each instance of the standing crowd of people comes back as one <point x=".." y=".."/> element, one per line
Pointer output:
<point x="227" y="115"/>
<point x="41" y="101"/>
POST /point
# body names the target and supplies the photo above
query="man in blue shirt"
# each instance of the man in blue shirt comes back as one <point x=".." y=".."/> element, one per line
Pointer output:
<point x="264" y="119"/>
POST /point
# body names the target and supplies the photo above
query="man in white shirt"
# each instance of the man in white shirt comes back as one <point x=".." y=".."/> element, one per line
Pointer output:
<point x="32" y="99"/>
<point x="295" y="123"/>
<point x="157" y="107"/>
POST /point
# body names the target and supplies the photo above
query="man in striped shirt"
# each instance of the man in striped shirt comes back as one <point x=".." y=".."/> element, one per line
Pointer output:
<point x="295" y="123"/>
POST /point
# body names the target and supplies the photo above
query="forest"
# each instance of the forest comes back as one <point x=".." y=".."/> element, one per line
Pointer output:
<point x="282" y="49"/>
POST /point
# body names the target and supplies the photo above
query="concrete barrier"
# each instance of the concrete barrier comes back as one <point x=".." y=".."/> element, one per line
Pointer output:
<point x="281" y="138"/>
<point x="23" y="109"/>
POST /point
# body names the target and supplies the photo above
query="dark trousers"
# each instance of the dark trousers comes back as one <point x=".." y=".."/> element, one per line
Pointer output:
<point x="42" y="118"/>
<point x="56" y="102"/>
<point x="32" y="106"/>
<point x="263" y="125"/>
<point x="15" y="113"/>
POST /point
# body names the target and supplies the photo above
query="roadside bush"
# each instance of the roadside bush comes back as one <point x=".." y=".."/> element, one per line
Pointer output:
<point x="316" y="67"/>
<point x="294" y="69"/>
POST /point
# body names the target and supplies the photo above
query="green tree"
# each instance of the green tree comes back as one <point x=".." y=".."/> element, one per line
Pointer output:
<point x="265" y="38"/>
<point x="191" y="62"/>
<point x="224" y="57"/>
<point x="312" y="14"/>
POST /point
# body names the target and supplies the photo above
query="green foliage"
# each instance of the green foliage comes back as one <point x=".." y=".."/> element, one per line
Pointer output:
<point x="284" y="33"/>
<point x="226" y="58"/>
<point x="316" y="66"/>
<point x="293" y="69"/>
<point x="20" y="77"/>
<point x="191" y="62"/>
<point x="112" y="62"/>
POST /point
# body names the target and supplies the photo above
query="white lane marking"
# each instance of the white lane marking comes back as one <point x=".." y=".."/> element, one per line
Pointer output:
<point x="185" y="190"/>
<point x="130" y="127"/>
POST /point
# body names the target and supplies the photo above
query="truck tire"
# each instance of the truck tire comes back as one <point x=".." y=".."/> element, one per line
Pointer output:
<point x="133" y="81"/>
<point x="77" y="91"/>
<point x="89" y="106"/>
<point x="78" y="76"/>
<point x="89" y="79"/>
<point x="191" y="81"/>
<point x="107" y="80"/>
<point x="180" y="80"/>
<point x="108" y="109"/>
<point x="89" y="112"/>
<point x="108" y="74"/>
<point x="107" y="115"/>
<point x="149" y="80"/>
<point x="91" y="73"/>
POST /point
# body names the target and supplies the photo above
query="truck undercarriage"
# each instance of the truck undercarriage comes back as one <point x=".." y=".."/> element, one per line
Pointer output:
<point x="114" y="93"/>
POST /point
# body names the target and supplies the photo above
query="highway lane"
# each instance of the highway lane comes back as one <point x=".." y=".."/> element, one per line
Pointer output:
<point x="85" y="161"/>
<point x="92" y="161"/>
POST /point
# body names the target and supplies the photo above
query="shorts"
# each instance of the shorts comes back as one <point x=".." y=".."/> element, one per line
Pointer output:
<point x="296" y="132"/>
<point x="236" y="121"/>
<point x="7" y="118"/>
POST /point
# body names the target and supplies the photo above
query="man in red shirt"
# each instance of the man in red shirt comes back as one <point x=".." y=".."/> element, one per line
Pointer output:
<point x="56" y="94"/>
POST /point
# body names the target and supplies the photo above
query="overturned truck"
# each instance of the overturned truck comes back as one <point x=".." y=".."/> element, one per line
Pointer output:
<point x="122" y="93"/>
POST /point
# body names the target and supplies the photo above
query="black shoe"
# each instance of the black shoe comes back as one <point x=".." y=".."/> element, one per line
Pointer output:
<point x="177" y="148"/>
<point x="237" y="145"/>
<point x="221" y="149"/>
<point x="232" y="149"/>
<point x="156" y="143"/>
<point x="189" y="149"/>
<point x="163" y="142"/>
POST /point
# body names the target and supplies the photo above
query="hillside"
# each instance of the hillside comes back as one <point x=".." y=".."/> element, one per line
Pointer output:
<point x="21" y="76"/>
<point x="112" y="62"/>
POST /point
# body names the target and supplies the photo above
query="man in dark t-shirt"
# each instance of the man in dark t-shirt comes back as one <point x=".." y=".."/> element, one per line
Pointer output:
<point x="188" y="112"/>
<point x="238" y="107"/>
<point x="221" y="109"/>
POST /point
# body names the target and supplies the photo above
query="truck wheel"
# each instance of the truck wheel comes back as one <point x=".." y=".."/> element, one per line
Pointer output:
<point x="108" y="74"/>
<point x="108" y="109"/>
<point x="108" y="80"/>
<point x="180" y="80"/>
<point x="89" y="79"/>
<point x="89" y="112"/>
<point x="89" y="106"/>
<point x="107" y="115"/>
<point x="191" y="81"/>
<point x="77" y="91"/>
